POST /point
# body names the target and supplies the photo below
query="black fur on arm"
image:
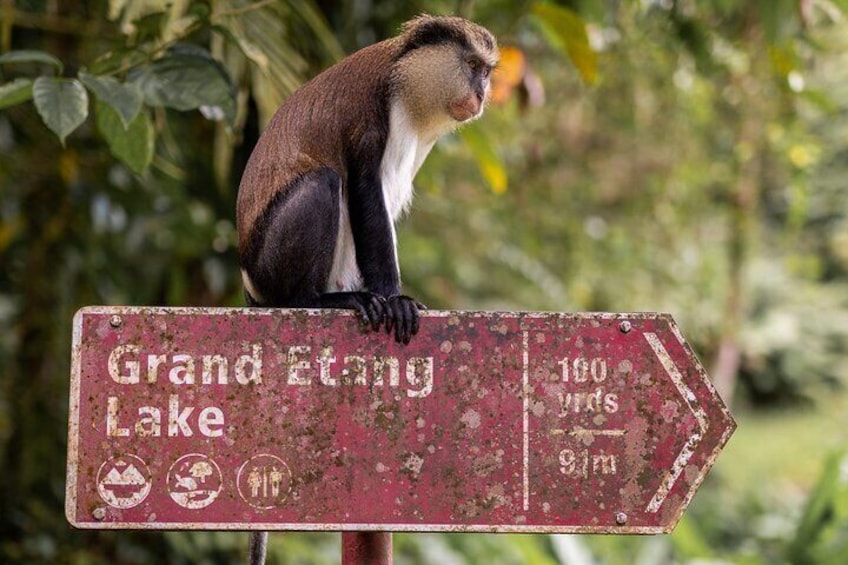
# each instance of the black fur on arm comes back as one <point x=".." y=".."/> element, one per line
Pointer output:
<point x="374" y="241"/>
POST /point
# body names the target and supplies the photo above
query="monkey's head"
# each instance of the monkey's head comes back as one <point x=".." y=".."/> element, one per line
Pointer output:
<point x="442" y="73"/>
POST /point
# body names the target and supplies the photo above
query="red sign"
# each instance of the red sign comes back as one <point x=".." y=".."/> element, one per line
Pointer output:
<point x="275" y="419"/>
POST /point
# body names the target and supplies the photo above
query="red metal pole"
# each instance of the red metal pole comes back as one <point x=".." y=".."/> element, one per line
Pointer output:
<point x="366" y="548"/>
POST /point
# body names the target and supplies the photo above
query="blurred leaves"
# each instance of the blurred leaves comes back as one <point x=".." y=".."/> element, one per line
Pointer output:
<point x="187" y="78"/>
<point x="513" y="76"/>
<point x="569" y="33"/>
<point x="822" y="533"/>
<point x="157" y="68"/>
<point x="508" y="74"/>
<point x="15" y="92"/>
<point x="133" y="143"/>
<point x="31" y="56"/>
<point x="485" y="155"/>
<point x="124" y="98"/>
<point x="271" y="35"/>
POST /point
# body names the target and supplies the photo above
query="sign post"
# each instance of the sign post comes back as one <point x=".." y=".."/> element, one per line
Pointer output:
<point x="271" y="419"/>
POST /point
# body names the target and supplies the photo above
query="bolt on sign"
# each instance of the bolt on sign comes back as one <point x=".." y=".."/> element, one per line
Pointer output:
<point x="271" y="419"/>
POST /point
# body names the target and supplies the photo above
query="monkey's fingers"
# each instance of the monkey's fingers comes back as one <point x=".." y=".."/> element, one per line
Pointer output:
<point x="370" y="307"/>
<point x="416" y="315"/>
<point x="375" y="311"/>
<point x="361" y="313"/>
<point x="402" y="316"/>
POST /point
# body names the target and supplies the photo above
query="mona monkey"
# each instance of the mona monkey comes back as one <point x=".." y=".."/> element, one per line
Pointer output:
<point x="333" y="171"/>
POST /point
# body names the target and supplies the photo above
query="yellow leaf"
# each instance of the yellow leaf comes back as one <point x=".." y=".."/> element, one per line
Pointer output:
<point x="487" y="158"/>
<point x="495" y="175"/>
<point x="570" y="31"/>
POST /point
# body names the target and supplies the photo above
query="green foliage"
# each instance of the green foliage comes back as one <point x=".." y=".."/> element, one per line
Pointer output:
<point x="131" y="143"/>
<point x="155" y="67"/>
<point x="15" y="92"/>
<point x="569" y="33"/>
<point x="31" y="56"/>
<point x="184" y="78"/>
<point x="123" y="98"/>
<point x="485" y="155"/>
<point x="187" y="78"/>
<point x="822" y="532"/>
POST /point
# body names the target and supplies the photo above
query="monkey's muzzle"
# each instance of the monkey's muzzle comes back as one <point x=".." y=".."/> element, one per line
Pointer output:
<point x="466" y="108"/>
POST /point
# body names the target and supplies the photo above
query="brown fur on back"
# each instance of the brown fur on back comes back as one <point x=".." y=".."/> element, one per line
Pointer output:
<point x="346" y="107"/>
<point x="313" y="127"/>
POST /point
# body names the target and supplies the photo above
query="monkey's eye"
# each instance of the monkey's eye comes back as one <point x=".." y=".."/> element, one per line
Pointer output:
<point x="474" y="65"/>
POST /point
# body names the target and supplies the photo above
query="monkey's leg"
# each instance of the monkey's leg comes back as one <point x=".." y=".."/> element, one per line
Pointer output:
<point x="293" y="261"/>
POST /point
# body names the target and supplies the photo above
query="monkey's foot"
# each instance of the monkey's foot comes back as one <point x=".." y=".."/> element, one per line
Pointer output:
<point x="402" y="315"/>
<point x="370" y="307"/>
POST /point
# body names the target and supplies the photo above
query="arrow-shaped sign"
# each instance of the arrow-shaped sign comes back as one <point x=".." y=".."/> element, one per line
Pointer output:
<point x="689" y="398"/>
<point x="295" y="419"/>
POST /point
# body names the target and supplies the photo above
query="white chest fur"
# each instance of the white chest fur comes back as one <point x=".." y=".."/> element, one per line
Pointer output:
<point x="405" y="152"/>
<point x="403" y="155"/>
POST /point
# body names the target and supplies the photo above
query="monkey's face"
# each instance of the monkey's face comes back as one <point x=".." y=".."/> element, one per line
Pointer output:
<point x="444" y="81"/>
<point x="472" y="76"/>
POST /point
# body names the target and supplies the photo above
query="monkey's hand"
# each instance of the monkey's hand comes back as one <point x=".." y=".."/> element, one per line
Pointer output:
<point x="402" y="315"/>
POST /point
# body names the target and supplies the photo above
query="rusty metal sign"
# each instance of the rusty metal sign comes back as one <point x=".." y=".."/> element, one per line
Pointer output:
<point x="189" y="418"/>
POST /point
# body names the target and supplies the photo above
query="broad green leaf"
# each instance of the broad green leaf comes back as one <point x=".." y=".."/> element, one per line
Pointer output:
<point x="570" y="31"/>
<point x="187" y="79"/>
<point x="132" y="145"/>
<point x="31" y="56"/>
<point x="61" y="103"/>
<point x="489" y="162"/>
<point x="124" y="98"/>
<point x="15" y="92"/>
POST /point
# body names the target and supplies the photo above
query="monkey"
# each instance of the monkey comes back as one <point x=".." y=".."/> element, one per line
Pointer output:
<point x="332" y="172"/>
